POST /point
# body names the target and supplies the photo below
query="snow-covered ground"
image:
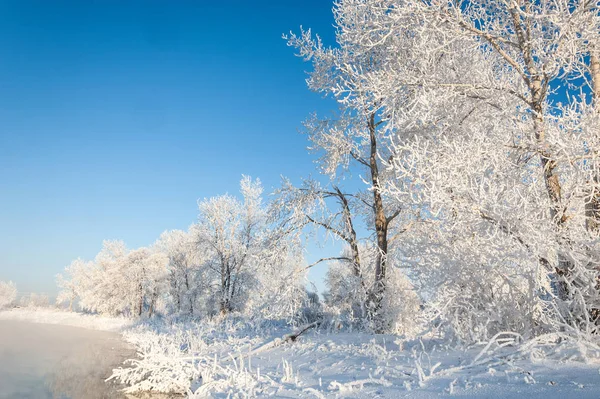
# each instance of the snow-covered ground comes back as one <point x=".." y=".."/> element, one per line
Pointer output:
<point x="56" y="316"/>
<point x="231" y="361"/>
<point x="241" y="359"/>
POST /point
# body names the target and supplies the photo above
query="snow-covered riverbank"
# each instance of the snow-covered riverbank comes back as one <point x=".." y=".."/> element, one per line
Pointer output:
<point x="236" y="358"/>
<point x="74" y="319"/>
<point x="239" y="360"/>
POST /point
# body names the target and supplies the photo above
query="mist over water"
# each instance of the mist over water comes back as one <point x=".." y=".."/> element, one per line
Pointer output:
<point x="54" y="361"/>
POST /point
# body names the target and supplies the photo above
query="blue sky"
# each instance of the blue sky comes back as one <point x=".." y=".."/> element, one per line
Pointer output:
<point x="117" y="116"/>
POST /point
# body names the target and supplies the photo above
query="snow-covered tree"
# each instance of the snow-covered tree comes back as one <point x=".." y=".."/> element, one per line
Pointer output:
<point x="8" y="294"/>
<point x="357" y="140"/>
<point x="496" y="163"/>
<point x="103" y="288"/>
<point x="241" y="256"/>
<point x="118" y="282"/>
<point x="486" y="132"/>
<point x="345" y="297"/>
<point x="241" y="246"/>
<point x="185" y="280"/>
<point x="144" y="272"/>
<point x="71" y="283"/>
<point x="34" y="300"/>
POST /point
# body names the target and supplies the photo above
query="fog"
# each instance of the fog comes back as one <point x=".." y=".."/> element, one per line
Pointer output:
<point x="53" y="361"/>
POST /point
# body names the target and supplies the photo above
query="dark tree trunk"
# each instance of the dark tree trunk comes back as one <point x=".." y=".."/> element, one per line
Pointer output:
<point x="140" y="304"/>
<point x="187" y="288"/>
<point x="381" y="222"/>
<point x="592" y="206"/>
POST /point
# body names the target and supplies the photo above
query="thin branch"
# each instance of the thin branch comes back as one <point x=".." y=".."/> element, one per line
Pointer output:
<point x="328" y="259"/>
<point x="393" y="216"/>
<point x="359" y="159"/>
<point x="328" y="227"/>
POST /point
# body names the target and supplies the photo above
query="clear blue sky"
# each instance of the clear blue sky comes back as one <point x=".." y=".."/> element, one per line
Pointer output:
<point x="117" y="116"/>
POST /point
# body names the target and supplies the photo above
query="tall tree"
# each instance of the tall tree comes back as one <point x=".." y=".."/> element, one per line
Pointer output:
<point x="356" y="139"/>
<point x="232" y="231"/>
<point x="185" y="275"/>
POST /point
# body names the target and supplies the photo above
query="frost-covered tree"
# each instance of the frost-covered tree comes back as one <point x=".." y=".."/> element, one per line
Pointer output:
<point x="8" y="294"/>
<point x="71" y="283"/>
<point x="185" y="274"/>
<point x="356" y="141"/>
<point x="240" y="256"/>
<point x="487" y="131"/>
<point x="492" y="145"/>
<point x="34" y="300"/>
<point x="230" y="230"/>
<point x="103" y="288"/>
<point x="144" y="272"/>
<point x="242" y="247"/>
<point x="118" y="282"/>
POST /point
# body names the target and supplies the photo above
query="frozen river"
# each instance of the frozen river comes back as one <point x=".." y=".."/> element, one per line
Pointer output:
<point x="54" y="361"/>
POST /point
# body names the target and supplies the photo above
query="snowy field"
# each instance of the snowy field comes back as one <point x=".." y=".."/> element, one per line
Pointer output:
<point x="235" y="358"/>
<point x="240" y="361"/>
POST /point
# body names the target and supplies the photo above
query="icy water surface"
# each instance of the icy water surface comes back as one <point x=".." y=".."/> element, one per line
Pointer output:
<point x="41" y="361"/>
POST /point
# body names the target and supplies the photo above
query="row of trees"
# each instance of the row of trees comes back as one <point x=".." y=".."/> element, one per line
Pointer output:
<point x="476" y="126"/>
<point x="10" y="297"/>
<point x="235" y="258"/>
<point x="461" y="175"/>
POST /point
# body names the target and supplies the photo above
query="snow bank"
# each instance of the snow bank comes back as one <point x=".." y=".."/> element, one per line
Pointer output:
<point x="55" y="316"/>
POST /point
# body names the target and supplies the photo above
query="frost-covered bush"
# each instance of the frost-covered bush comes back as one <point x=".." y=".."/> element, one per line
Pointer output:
<point x="34" y="300"/>
<point x="280" y="292"/>
<point x="474" y="294"/>
<point x="347" y="299"/>
<point x="8" y="294"/>
<point x="195" y="356"/>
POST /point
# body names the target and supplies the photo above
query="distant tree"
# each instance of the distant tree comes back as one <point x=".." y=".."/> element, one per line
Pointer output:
<point x="144" y="272"/>
<point x="185" y="275"/>
<point x="232" y="231"/>
<point x="240" y="256"/>
<point x="118" y="282"/>
<point x="8" y="294"/>
<point x="104" y="287"/>
<point x="70" y="283"/>
<point x="34" y="300"/>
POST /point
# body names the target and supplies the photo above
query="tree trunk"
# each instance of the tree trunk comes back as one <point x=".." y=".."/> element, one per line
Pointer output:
<point x="536" y="83"/>
<point x="595" y="72"/>
<point x="592" y="206"/>
<point x="153" y="300"/>
<point x="552" y="182"/>
<point x="381" y="222"/>
<point x="187" y="288"/>
<point x="351" y="238"/>
<point x="176" y="291"/>
<point x="151" y="307"/>
<point x="223" y="306"/>
<point x="140" y="300"/>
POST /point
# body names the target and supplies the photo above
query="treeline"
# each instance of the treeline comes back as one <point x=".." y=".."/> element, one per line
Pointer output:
<point x="236" y="258"/>
<point x="473" y="135"/>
